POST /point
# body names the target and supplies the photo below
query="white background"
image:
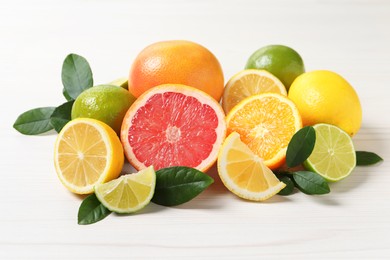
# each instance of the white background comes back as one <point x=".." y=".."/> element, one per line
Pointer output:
<point x="38" y="217"/>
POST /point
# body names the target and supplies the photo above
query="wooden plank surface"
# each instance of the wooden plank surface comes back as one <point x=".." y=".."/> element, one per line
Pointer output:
<point x="38" y="217"/>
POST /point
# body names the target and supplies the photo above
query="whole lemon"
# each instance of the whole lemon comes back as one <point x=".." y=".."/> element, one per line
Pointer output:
<point x="325" y="97"/>
<point x="105" y="103"/>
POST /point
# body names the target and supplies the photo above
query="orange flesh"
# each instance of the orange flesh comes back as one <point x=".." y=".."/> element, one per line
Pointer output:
<point x="265" y="125"/>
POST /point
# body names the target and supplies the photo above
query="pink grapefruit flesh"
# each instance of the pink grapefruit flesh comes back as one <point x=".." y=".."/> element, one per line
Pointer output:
<point x="173" y="125"/>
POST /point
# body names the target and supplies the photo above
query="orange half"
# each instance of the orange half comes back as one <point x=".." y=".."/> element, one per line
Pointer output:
<point x="266" y="123"/>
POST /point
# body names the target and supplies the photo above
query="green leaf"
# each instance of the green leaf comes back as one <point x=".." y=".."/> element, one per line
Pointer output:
<point x="300" y="146"/>
<point x="311" y="183"/>
<point x="66" y="95"/>
<point x="34" y="121"/>
<point x="364" y="158"/>
<point x="61" y="115"/>
<point x="288" y="190"/>
<point x="91" y="211"/>
<point x="177" y="185"/>
<point x="76" y="75"/>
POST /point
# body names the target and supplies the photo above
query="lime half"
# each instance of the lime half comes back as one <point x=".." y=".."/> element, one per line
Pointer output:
<point x="128" y="193"/>
<point x="333" y="156"/>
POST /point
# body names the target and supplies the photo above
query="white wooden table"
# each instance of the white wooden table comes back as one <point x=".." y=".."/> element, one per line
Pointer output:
<point x="38" y="217"/>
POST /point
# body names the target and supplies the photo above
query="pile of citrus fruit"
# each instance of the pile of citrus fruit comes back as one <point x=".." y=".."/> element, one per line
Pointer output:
<point x="174" y="110"/>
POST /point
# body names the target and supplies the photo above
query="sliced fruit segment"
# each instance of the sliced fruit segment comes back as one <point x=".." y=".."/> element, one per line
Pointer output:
<point x="244" y="173"/>
<point x="173" y="125"/>
<point x="87" y="152"/>
<point x="247" y="83"/>
<point x="128" y="193"/>
<point x="266" y="123"/>
<point x="333" y="156"/>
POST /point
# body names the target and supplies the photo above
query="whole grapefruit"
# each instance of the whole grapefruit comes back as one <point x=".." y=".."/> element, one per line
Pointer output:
<point x="176" y="62"/>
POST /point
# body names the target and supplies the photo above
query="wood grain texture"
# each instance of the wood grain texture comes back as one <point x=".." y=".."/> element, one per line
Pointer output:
<point x="38" y="217"/>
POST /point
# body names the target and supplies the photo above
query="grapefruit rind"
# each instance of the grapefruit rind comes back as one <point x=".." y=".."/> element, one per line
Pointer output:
<point x="201" y="96"/>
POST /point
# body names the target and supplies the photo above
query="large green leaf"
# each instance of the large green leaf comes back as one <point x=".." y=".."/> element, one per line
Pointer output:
<point x="364" y="158"/>
<point x="34" y="121"/>
<point x="311" y="183"/>
<point x="91" y="211"/>
<point x="61" y="115"/>
<point x="300" y="146"/>
<point x="76" y="75"/>
<point x="177" y="185"/>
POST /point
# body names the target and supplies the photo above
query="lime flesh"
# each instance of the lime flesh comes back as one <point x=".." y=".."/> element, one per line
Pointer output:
<point x="333" y="156"/>
<point x="129" y="193"/>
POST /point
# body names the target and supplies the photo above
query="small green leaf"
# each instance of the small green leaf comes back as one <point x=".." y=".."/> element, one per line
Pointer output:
<point x="364" y="158"/>
<point x="66" y="95"/>
<point x="311" y="183"/>
<point x="91" y="211"/>
<point x="76" y="75"/>
<point x="288" y="190"/>
<point x="61" y="115"/>
<point x="34" y="121"/>
<point x="177" y="185"/>
<point x="300" y="146"/>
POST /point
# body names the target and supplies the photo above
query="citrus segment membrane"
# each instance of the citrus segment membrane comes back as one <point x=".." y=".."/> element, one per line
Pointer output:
<point x="173" y="126"/>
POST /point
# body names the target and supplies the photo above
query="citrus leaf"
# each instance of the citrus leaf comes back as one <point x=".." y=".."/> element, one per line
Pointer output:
<point x="288" y="190"/>
<point x="300" y="146"/>
<point x="66" y="95"/>
<point x="34" y="121"/>
<point x="61" y="116"/>
<point x="91" y="211"/>
<point x="310" y="183"/>
<point x="364" y="158"/>
<point x="179" y="184"/>
<point x="76" y="75"/>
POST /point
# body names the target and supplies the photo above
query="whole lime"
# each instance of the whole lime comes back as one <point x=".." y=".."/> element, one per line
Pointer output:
<point x="326" y="97"/>
<point x="106" y="103"/>
<point x="282" y="61"/>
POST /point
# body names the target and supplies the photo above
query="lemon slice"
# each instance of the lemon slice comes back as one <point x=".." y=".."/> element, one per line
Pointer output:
<point x="247" y="83"/>
<point x="244" y="173"/>
<point x="87" y="152"/>
<point x="333" y="156"/>
<point x="128" y="193"/>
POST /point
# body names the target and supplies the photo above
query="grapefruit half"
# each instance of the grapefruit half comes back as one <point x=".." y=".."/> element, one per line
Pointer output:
<point x="173" y="125"/>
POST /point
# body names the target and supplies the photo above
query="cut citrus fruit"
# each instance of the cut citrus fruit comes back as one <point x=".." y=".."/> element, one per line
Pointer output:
<point x="244" y="173"/>
<point x="129" y="193"/>
<point x="247" y="83"/>
<point x="173" y="125"/>
<point x="266" y="123"/>
<point x="333" y="156"/>
<point x="87" y="152"/>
